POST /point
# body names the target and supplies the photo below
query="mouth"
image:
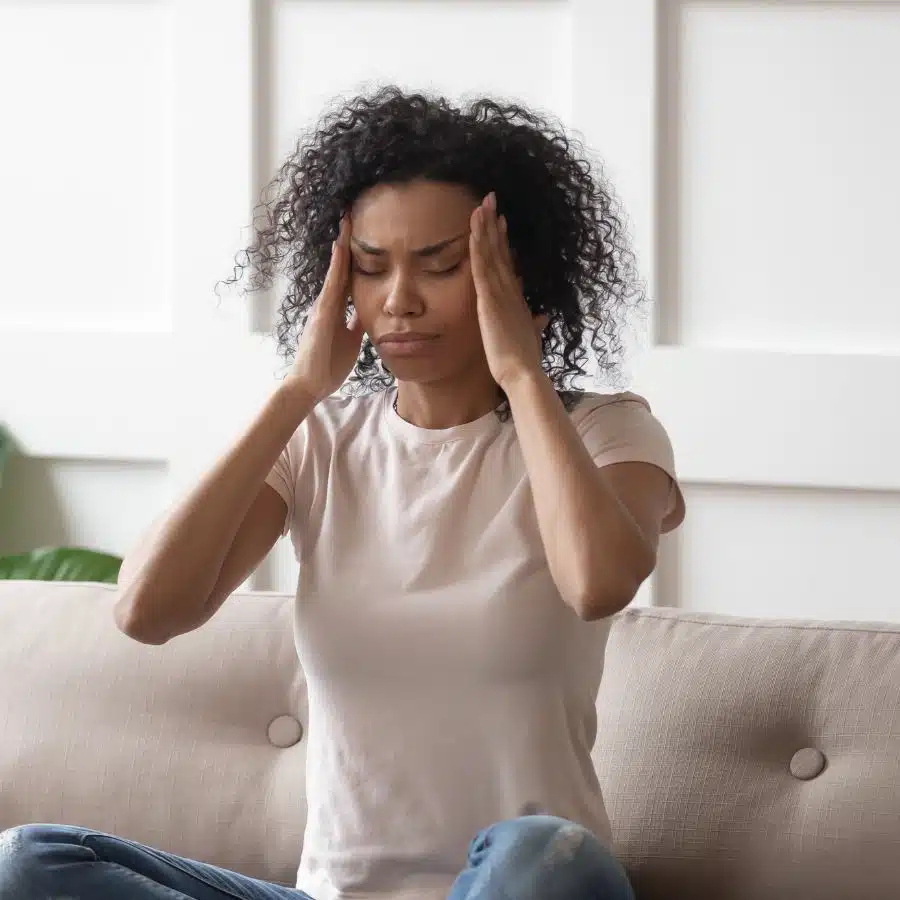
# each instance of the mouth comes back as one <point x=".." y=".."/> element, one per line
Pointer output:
<point x="407" y="343"/>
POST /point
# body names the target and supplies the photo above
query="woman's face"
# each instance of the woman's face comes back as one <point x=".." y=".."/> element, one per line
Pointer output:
<point x="411" y="282"/>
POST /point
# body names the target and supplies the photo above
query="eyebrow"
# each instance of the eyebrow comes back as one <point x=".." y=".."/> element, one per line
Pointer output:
<point x="430" y="250"/>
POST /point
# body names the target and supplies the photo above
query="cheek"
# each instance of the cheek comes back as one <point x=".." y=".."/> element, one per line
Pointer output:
<point x="454" y="302"/>
<point x="367" y="300"/>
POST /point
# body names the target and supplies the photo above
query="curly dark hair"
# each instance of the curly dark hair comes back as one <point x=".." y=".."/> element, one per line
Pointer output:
<point x="565" y="226"/>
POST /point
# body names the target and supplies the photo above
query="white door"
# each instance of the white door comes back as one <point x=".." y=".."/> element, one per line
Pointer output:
<point x="752" y="144"/>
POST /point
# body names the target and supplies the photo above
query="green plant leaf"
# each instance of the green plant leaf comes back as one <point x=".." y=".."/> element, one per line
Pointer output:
<point x="61" y="564"/>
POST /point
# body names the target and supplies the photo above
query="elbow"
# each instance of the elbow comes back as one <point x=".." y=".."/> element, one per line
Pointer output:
<point x="136" y="626"/>
<point x="602" y="595"/>
<point x="592" y="606"/>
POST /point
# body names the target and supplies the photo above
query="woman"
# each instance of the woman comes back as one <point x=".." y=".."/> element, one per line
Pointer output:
<point x="466" y="522"/>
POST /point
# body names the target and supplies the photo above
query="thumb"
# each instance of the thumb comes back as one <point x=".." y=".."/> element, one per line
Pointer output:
<point x="334" y="290"/>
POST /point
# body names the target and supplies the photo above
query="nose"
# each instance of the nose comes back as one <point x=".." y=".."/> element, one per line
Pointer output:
<point x="402" y="298"/>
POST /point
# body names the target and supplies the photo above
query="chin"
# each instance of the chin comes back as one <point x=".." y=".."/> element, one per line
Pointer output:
<point x="416" y="371"/>
<point x="431" y="368"/>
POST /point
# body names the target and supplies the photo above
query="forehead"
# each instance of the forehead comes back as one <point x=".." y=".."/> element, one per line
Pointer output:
<point x="401" y="216"/>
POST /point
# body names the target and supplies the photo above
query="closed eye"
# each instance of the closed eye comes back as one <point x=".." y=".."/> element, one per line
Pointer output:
<point x="361" y="271"/>
<point x="448" y="271"/>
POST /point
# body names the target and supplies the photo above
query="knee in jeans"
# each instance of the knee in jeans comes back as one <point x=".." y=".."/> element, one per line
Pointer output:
<point x="23" y="851"/>
<point x="18" y="859"/>
<point x="560" y="856"/>
<point x="560" y="838"/>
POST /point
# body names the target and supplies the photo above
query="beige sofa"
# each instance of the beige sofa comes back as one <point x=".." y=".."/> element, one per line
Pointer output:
<point x="741" y="759"/>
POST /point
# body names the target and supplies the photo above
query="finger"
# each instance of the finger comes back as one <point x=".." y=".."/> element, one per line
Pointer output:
<point x="491" y="229"/>
<point x="491" y="284"/>
<point x="510" y="277"/>
<point x="482" y="259"/>
<point x="505" y="249"/>
<point x="484" y="233"/>
<point x="343" y="237"/>
<point x="334" y="290"/>
<point x="498" y="243"/>
<point x="476" y="249"/>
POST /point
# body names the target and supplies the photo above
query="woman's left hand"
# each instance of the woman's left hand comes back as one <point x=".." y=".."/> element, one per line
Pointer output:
<point x="510" y="333"/>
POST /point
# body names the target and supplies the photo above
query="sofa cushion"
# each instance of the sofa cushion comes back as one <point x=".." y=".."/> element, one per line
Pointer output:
<point x="177" y="746"/>
<point x="752" y="758"/>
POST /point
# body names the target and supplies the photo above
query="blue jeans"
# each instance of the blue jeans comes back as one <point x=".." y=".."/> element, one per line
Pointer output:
<point x="532" y="858"/>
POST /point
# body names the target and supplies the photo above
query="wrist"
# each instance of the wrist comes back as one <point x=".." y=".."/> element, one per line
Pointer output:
<point x="524" y="381"/>
<point x="296" y="396"/>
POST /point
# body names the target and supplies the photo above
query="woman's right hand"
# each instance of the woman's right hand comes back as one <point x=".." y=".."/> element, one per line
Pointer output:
<point x="329" y="345"/>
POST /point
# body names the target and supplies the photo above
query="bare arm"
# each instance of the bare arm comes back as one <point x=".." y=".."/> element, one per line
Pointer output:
<point x="207" y="545"/>
<point x="600" y="527"/>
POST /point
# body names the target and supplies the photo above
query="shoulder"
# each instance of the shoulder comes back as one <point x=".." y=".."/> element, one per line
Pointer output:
<point x="588" y="407"/>
<point x="618" y="428"/>
<point x="609" y="421"/>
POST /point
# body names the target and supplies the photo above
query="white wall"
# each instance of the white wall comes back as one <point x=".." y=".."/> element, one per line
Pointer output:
<point x="754" y="144"/>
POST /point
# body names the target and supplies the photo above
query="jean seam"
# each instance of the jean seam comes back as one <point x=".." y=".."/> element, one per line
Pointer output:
<point x="163" y="858"/>
<point x="145" y="880"/>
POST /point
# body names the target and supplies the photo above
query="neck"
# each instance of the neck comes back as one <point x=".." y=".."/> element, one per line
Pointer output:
<point x="446" y="404"/>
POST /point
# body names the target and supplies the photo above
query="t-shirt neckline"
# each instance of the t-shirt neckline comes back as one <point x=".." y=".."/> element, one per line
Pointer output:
<point x="484" y="425"/>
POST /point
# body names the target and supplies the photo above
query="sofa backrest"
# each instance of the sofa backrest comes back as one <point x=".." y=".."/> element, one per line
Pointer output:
<point x="166" y="745"/>
<point x="740" y="759"/>
<point x="752" y="759"/>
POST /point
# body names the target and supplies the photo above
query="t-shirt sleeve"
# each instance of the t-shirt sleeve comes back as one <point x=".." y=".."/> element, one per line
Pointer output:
<point x="623" y="429"/>
<point x="285" y="476"/>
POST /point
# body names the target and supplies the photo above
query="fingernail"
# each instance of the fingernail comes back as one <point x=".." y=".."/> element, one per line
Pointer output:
<point x="333" y="247"/>
<point x="492" y="200"/>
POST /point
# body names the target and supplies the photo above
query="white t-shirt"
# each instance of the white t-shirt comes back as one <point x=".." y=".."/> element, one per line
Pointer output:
<point x="450" y="686"/>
